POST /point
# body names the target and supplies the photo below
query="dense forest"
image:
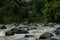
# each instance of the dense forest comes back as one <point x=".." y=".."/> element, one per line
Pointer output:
<point x="29" y="10"/>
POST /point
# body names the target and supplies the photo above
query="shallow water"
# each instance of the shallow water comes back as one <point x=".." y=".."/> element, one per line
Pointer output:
<point x="37" y="32"/>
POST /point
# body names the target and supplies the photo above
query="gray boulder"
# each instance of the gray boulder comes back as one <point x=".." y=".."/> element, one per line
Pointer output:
<point x="9" y="33"/>
<point x="45" y="35"/>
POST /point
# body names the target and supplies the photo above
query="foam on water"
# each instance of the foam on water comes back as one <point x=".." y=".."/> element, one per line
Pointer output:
<point x="2" y="33"/>
<point x="36" y="33"/>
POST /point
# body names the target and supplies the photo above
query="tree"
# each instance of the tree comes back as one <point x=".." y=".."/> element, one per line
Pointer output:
<point x="51" y="11"/>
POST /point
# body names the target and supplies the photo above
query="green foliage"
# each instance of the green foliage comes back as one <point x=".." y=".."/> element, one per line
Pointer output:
<point x="32" y="10"/>
<point x="52" y="11"/>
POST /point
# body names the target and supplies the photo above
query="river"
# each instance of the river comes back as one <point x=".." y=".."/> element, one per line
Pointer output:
<point x="36" y="32"/>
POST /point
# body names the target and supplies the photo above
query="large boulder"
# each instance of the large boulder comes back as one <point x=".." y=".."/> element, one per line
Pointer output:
<point x="3" y="27"/>
<point x="9" y="33"/>
<point x="45" y="35"/>
<point x="19" y="31"/>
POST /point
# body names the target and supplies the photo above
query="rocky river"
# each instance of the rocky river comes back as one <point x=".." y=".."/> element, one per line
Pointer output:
<point x="35" y="32"/>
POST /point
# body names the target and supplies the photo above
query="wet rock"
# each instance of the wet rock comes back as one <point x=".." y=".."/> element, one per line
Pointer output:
<point x="28" y="36"/>
<point x="16" y="25"/>
<point x="22" y="32"/>
<point x="27" y="23"/>
<point x="46" y="25"/>
<point x="47" y="39"/>
<point x="53" y="39"/>
<point x="45" y="35"/>
<point x="25" y="28"/>
<point x="58" y="28"/>
<point x="15" y="30"/>
<point x="33" y="28"/>
<point x="44" y="39"/>
<point x="9" y="33"/>
<point x="3" y="27"/>
<point x="19" y="31"/>
<point x="51" y="24"/>
<point x="57" y="31"/>
<point x="29" y="28"/>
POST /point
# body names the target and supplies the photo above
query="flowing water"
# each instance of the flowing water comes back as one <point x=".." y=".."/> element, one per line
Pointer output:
<point x="36" y="32"/>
